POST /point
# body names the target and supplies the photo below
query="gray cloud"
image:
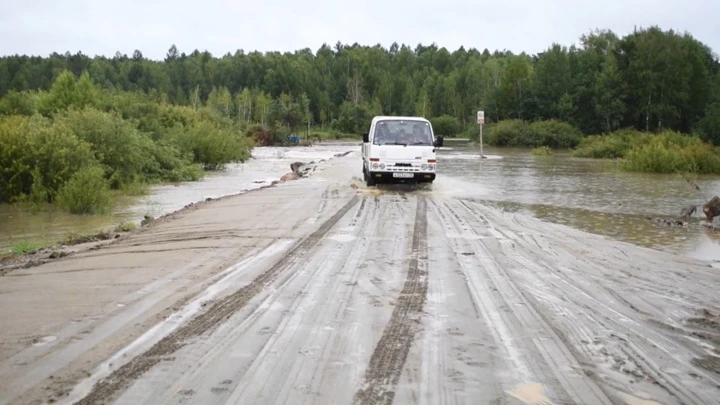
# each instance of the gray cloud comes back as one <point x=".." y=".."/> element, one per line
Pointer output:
<point x="220" y="26"/>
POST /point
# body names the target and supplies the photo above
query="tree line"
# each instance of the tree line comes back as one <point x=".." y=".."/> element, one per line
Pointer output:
<point x="650" y="79"/>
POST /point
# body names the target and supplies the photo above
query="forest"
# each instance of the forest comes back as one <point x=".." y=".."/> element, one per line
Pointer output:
<point x="649" y="79"/>
<point x="194" y="111"/>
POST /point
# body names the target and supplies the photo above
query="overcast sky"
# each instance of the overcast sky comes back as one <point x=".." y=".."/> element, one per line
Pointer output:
<point x="40" y="27"/>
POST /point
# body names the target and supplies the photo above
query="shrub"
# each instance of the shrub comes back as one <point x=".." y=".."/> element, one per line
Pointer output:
<point x="446" y="125"/>
<point x="519" y="133"/>
<point x="542" y="151"/>
<point x="87" y="192"/>
<point x="125" y="153"/>
<point x="507" y="133"/>
<point x="663" y="152"/>
<point x="37" y="158"/>
<point x="671" y="152"/>
<point x="555" y="134"/>
<point x="212" y="144"/>
<point x="131" y="137"/>
<point x="609" y="146"/>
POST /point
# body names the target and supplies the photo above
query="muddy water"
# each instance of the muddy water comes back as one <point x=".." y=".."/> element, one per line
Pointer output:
<point x="592" y="195"/>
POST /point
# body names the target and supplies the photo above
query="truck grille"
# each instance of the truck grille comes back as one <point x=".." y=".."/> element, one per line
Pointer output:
<point x="403" y="167"/>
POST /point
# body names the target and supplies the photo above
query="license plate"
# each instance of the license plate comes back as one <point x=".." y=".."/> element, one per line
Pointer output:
<point x="404" y="175"/>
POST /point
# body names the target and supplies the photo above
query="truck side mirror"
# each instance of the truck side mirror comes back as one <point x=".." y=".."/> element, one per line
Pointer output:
<point x="366" y="137"/>
<point x="439" y="141"/>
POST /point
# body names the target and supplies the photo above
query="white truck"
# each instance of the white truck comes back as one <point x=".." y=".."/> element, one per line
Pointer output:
<point x="399" y="149"/>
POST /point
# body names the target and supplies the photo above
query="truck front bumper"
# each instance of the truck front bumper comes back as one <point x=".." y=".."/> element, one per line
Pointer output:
<point x="402" y="177"/>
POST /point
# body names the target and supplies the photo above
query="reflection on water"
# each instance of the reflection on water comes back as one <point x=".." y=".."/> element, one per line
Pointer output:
<point x="588" y="194"/>
<point x="267" y="165"/>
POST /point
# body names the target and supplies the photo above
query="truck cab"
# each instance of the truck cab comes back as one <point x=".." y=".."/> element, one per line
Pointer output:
<point x="399" y="150"/>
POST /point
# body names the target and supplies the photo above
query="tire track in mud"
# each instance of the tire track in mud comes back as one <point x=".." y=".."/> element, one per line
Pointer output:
<point x="207" y="321"/>
<point x="299" y="349"/>
<point x="390" y="354"/>
<point x="649" y="352"/>
<point x="544" y="357"/>
<point x="264" y="327"/>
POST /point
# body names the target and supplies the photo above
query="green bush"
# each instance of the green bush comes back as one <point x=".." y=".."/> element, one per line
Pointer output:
<point x="519" y="133"/>
<point x="446" y="125"/>
<point x="555" y="134"/>
<point x="542" y="151"/>
<point x="54" y="143"/>
<point x="608" y="146"/>
<point x="664" y="152"/>
<point x="125" y="153"/>
<point x="212" y="144"/>
<point x="671" y="152"/>
<point x="506" y="133"/>
<point x="35" y="151"/>
<point x="87" y="192"/>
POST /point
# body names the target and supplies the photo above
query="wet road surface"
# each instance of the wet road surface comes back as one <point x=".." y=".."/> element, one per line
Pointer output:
<point x="315" y="292"/>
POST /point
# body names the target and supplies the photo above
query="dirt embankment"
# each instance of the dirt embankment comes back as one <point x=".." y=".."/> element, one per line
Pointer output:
<point x="353" y="296"/>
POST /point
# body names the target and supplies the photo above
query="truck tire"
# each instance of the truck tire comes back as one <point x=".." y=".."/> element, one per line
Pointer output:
<point x="369" y="181"/>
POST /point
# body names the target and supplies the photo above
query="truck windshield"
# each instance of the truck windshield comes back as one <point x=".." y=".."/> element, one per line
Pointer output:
<point x="402" y="132"/>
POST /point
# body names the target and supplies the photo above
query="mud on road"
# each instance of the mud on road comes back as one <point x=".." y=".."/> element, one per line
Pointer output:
<point x="314" y="292"/>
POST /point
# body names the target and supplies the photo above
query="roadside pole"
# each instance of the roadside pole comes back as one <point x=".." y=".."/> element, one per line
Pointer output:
<point x="481" y="121"/>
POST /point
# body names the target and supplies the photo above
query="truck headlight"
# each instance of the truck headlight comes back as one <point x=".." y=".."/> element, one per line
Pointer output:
<point x="424" y="167"/>
<point x="382" y="165"/>
<point x="375" y="165"/>
<point x="431" y="167"/>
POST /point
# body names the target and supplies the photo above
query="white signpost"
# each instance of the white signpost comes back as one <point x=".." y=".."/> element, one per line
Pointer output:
<point x="481" y="121"/>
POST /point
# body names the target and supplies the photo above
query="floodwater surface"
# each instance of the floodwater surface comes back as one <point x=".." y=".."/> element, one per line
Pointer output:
<point x="592" y="195"/>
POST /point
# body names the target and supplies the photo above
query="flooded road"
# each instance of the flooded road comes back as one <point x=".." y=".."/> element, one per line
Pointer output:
<point x="317" y="292"/>
<point x="591" y="195"/>
<point x="588" y="194"/>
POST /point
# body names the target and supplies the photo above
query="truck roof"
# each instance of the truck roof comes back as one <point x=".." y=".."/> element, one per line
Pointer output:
<point x="398" y="118"/>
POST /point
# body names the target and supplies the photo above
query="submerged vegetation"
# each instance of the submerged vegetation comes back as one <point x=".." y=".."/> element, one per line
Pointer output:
<point x="76" y="130"/>
<point x="518" y="133"/>
<point x="662" y="152"/>
<point x="542" y="151"/>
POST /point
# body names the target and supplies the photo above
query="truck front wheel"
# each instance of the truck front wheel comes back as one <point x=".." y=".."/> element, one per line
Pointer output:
<point x="369" y="180"/>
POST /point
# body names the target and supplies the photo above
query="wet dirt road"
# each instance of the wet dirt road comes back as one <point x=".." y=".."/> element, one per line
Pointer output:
<point x="314" y="292"/>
